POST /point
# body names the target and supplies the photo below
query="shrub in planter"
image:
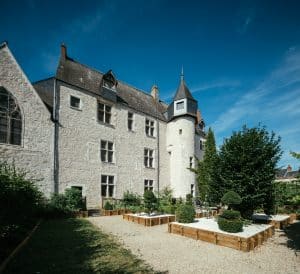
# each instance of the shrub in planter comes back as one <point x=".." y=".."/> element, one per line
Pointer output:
<point x="108" y="206"/>
<point x="230" y="225"/>
<point x="185" y="213"/>
<point x="231" y="199"/>
<point x="74" y="199"/>
<point x="231" y="214"/>
<point x="150" y="201"/>
<point x="131" y="199"/>
<point x="230" y="221"/>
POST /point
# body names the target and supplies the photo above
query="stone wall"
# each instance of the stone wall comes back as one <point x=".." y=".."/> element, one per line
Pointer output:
<point x="80" y="134"/>
<point x="35" y="153"/>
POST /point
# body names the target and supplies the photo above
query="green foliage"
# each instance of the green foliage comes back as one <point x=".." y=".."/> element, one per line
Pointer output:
<point x="74" y="199"/>
<point x="231" y="199"/>
<point x="231" y="214"/>
<point x="135" y="209"/>
<point x="20" y="205"/>
<point x="185" y="213"/>
<point x="232" y="226"/>
<point x="150" y="201"/>
<point x="166" y="204"/>
<point x="207" y="170"/>
<point x="189" y="199"/>
<point x="247" y="162"/>
<point x="108" y="206"/>
<point x="131" y="199"/>
<point x="295" y="155"/>
<point x="285" y="192"/>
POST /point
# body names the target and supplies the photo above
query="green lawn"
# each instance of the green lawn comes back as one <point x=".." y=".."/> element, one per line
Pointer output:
<point x="74" y="246"/>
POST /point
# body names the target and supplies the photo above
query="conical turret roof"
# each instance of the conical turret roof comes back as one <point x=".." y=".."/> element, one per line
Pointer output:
<point x="183" y="91"/>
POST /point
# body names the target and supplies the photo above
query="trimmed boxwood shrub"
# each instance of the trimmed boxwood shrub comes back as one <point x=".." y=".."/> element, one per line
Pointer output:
<point x="185" y="213"/>
<point x="231" y="199"/>
<point x="233" y="226"/>
<point x="231" y="214"/>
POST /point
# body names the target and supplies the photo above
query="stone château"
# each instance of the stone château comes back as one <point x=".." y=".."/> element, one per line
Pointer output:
<point x="86" y="129"/>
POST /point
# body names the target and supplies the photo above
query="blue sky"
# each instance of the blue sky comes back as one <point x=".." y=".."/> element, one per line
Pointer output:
<point x="241" y="58"/>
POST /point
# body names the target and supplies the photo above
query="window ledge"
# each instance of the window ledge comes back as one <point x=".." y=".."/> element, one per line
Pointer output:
<point x="78" y="109"/>
<point x="105" y="124"/>
<point x="149" y="136"/>
<point x="149" y="167"/>
<point x="108" y="163"/>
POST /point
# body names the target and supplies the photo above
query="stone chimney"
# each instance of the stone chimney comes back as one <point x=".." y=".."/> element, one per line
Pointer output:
<point x="63" y="51"/>
<point x="198" y="116"/>
<point x="289" y="168"/>
<point x="155" y="93"/>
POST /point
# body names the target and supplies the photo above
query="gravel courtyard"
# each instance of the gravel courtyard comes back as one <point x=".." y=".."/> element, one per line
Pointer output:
<point x="177" y="254"/>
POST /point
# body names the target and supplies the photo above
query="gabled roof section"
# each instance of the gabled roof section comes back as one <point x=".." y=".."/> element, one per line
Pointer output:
<point x="76" y="74"/>
<point x="183" y="91"/>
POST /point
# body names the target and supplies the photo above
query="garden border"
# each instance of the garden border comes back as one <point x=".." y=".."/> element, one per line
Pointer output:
<point x="149" y="221"/>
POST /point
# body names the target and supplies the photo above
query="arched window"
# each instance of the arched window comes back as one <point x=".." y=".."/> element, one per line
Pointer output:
<point x="10" y="119"/>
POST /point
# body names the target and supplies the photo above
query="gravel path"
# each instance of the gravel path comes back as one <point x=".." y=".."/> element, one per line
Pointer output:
<point x="177" y="254"/>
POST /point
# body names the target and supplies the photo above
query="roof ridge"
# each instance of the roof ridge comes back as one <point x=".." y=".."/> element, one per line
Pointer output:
<point x="48" y="78"/>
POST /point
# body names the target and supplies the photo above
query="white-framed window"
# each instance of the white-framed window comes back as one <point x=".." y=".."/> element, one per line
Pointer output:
<point x="148" y="185"/>
<point x="130" y="117"/>
<point x="107" y="151"/>
<point x="10" y="119"/>
<point x="148" y="157"/>
<point x="180" y="105"/>
<point x="192" y="189"/>
<point x="149" y="127"/>
<point x="104" y="113"/>
<point x="75" y="102"/>
<point x="107" y="186"/>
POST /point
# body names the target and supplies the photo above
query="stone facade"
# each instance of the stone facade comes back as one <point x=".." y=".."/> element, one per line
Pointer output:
<point x="66" y="151"/>
<point x="36" y="150"/>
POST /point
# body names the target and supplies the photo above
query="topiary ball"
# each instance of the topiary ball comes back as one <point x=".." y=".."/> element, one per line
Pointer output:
<point x="231" y="198"/>
<point x="185" y="213"/>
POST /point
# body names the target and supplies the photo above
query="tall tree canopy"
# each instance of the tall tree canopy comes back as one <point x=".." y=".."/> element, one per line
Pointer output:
<point x="206" y="169"/>
<point x="295" y="155"/>
<point x="247" y="162"/>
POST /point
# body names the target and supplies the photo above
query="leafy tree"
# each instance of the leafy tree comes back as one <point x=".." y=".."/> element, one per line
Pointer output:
<point x="206" y="171"/>
<point x="247" y="163"/>
<point x="295" y="155"/>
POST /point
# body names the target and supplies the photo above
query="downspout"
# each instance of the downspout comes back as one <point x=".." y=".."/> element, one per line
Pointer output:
<point x="56" y="128"/>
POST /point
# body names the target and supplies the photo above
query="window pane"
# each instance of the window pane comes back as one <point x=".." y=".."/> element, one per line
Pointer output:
<point x="152" y="123"/>
<point x="150" y="182"/>
<point x="103" y="144"/>
<point x="110" y="191"/>
<point x="16" y="132"/>
<point x="100" y="107"/>
<point x="75" y="102"/>
<point x="103" y="190"/>
<point x="3" y="129"/>
<point x="150" y="153"/>
<point x="103" y="155"/>
<point x="111" y="180"/>
<point x="146" y="162"/>
<point x="152" y="132"/>
<point x="107" y="118"/>
<point x="103" y="179"/>
<point x="107" y="109"/>
<point x="110" y="146"/>
<point x="101" y="116"/>
<point x="110" y="157"/>
<point x="150" y="162"/>
<point x="130" y="115"/>
<point x="180" y="105"/>
<point x="130" y="122"/>
<point x="145" y="152"/>
<point x="3" y="101"/>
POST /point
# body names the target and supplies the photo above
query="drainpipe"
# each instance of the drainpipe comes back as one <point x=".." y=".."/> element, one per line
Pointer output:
<point x="56" y="128"/>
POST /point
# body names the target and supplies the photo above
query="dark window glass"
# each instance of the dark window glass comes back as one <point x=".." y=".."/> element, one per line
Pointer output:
<point x="10" y="119"/>
<point x="75" y="102"/>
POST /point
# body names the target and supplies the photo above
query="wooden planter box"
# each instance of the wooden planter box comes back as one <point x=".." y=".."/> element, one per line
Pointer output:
<point x="294" y="217"/>
<point x="223" y="239"/>
<point x="278" y="221"/>
<point x="149" y="221"/>
<point x="114" y="212"/>
<point x="81" y="214"/>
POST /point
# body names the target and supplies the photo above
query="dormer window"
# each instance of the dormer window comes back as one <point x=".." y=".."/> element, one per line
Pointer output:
<point x="180" y="107"/>
<point x="109" y="80"/>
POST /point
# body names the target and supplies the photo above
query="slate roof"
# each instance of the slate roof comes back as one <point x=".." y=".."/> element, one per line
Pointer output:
<point x="45" y="89"/>
<point x="76" y="74"/>
<point x="183" y="91"/>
